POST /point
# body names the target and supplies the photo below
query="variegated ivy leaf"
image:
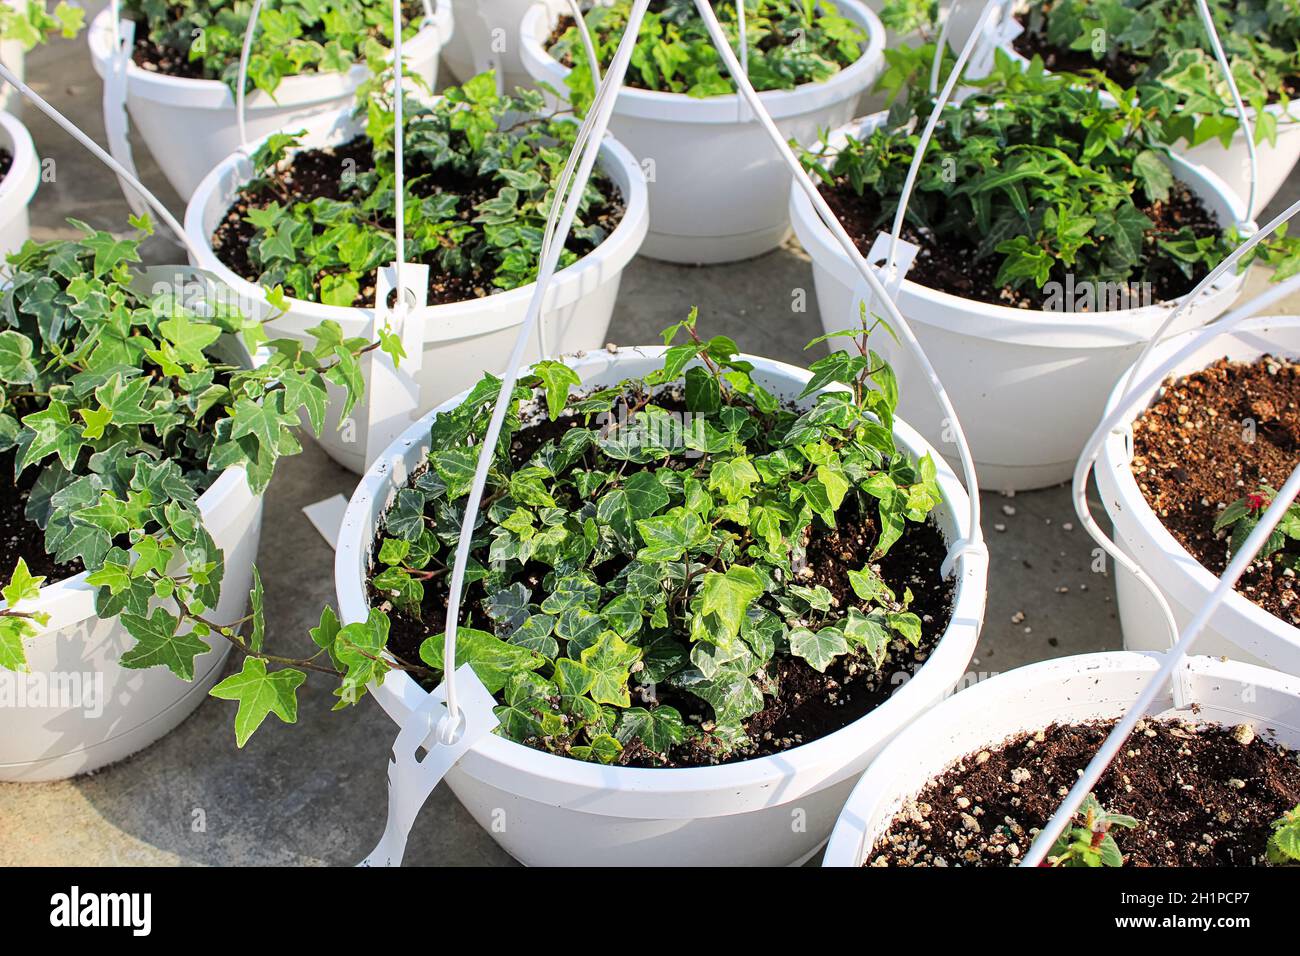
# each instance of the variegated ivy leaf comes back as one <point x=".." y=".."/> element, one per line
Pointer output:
<point x="819" y="648"/>
<point x="659" y="729"/>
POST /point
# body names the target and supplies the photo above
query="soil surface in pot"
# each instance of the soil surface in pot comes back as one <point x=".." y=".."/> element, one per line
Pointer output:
<point x="950" y="264"/>
<point x="1122" y="67"/>
<point x="169" y="61"/>
<point x="21" y="538"/>
<point x="315" y="173"/>
<point x="6" y="163"/>
<point x="1202" y="795"/>
<point x="810" y="704"/>
<point x="1211" y="438"/>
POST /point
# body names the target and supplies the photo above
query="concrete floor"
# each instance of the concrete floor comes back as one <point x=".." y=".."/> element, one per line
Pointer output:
<point x="315" y="792"/>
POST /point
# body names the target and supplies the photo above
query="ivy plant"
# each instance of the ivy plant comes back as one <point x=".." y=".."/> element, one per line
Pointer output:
<point x="656" y="546"/>
<point x="31" y="22"/>
<point x="1241" y="517"/>
<point x="120" y="403"/>
<point x="1164" y="45"/>
<point x="293" y="36"/>
<point x="479" y="174"/>
<point x="1284" y="844"/>
<point x="1088" y="840"/>
<point x="1053" y="177"/>
<point x="790" y="42"/>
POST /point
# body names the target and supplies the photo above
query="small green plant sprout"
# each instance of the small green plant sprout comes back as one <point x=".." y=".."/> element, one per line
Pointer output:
<point x="1088" y="841"/>
<point x="1284" y="844"/>
<point x="31" y="23"/>
<point x="1241" y="517"/>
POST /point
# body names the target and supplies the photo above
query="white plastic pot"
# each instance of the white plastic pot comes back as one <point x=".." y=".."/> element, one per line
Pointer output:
<point x="717" y="186"/>
<point x="1232" y="163"/>
<point x="487" y="37"/>
<point x="766" y="811"/>
<point x="78" y="709"/>
<point x="1029" y="385"/>
<point x="18" y="186"/>
<point x="1066" y="690"/>
<point x="190" y="125"/>
<point x="462" y="339"/>
<point x="1239" y="628"/>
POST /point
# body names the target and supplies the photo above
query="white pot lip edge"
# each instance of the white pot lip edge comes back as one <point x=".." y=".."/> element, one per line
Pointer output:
<point x="101" y="28"/>
<point x="218" y="505"/>
<point x="1274" y="108"/>
<point x="1112" y="467"/>
<point x="617" y="249"/>
<point x="850" y="833"/>
<point x="723" y="109"/>
<point x="806" y="223"/>
<point x="19" y="184"/>
<point x="400" y="690"/>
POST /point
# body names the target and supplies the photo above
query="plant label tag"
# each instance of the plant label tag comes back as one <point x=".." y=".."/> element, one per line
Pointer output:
<point x="905" y="255"/>
<point x="411" y="778"/>
<point x="116" y="122"/>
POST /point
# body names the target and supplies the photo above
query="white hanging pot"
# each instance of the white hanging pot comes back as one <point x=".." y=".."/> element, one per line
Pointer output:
<point x="1239" y="628"/>
<point x="1030" y="384"/>
<point x="190" y="125"/>
<point x="462" y="339"/>
<point x="487" y="37"/>
<point x="1232" y="164"/>
<point x="18" y="185"/>
<point x="717" y="187"/>
<point x="77" y="709"/>
<point x="1063" y="691"/>
<point x="766" y="811"/>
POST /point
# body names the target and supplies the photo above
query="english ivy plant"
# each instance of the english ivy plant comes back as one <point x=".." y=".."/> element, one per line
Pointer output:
<point x="1241" y="517"/>
<point x="479" y="174"/>
<point x="31" y="22"/>
<point x="1162" y="44"/>
<point x="1088" y="840"/>
<point x="294" y="36"/>
<point x="655" y="547"/>
<point x="1050" y="177"/>
<point x="125" y="402"/>
<point x="1284" y="844"/>
<point x="791" y="42"/>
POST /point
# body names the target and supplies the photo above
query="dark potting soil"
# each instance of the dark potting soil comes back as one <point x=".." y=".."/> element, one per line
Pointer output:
<point x="6" y="162"/>
<point x="1211" y="438"/>
<point x="316" y="173"/>
<point x="21" y="538"/>
<point x="951" y="264"/>
<point x="1202" y="795"/>
<point x="809" y="705"/>
<point x="1121" y="66"/>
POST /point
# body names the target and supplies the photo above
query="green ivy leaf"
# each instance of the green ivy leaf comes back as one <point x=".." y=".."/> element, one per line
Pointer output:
<point x="158" y="643"/>
<point x="260" y="693"/>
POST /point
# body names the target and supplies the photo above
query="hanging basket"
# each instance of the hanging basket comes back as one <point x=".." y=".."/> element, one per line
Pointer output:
<point x="1030" y="385"/>
<point x="19" y="184"/>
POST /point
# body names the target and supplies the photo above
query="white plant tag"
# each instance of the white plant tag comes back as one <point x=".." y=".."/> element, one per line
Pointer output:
<point x="117" y="124"/>
<point x="411" y="779"/>
<point x="892" y="281"/>
<point x="393" y="391"/>
<point x="327" y="517"/>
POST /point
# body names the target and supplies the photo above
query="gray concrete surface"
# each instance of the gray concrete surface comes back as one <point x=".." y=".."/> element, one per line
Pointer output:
<point x="314" y="793"/>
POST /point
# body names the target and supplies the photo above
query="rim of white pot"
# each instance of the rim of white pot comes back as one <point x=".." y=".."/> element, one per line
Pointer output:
<point x="925" y="749"/>
<point x="822" y="760"/>
<point x="298" y="90"/>
<point x="72" y="599"/>
<point x="1119" y="489"/>
<point x="1106" y="328"/>
<point x="19" y="184"/>
<point x="449" y="320"/>
<point x="539" y="21"/>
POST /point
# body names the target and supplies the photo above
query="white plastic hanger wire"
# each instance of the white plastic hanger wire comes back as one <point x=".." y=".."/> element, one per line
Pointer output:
<point x="590" y="135"/>
<point x="1208" y="22"/>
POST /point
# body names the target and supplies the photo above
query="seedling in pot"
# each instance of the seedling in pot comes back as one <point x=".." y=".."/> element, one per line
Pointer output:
<point x="660" y="561"/>
<point x="1284" y="846"/>
<point x="1089" y="841"/>
<point x="1241" y="517"/>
